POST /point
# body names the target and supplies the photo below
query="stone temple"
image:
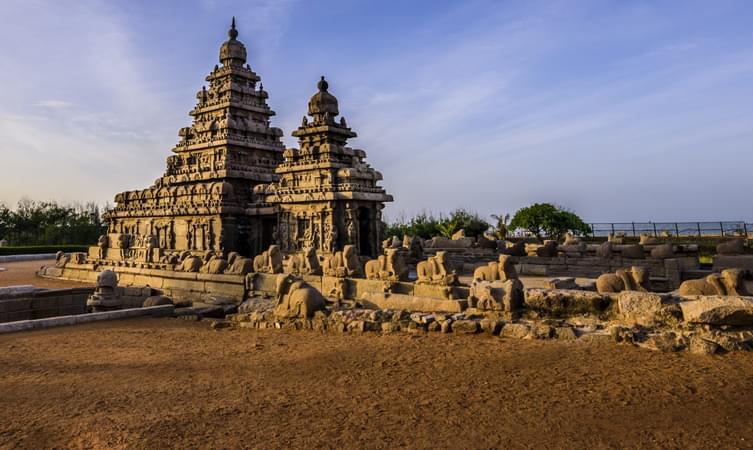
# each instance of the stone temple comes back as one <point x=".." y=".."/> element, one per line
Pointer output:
<point x="231" y="186"/>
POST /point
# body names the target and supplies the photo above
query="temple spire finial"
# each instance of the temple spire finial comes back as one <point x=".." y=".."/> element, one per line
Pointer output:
<point x="233" y="33"/>
<point x="322" y="84"/>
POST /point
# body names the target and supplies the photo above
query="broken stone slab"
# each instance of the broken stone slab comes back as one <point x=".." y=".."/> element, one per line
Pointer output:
<point x="491" y="326"/>
<point x="24" y="325"/>
<point x="411" y="303"/>
<point x="566" y="302"/>
<point x="541" y="331"/>
<point x="465" y="327"/>
<point x="700" y="346"/>
<point x="666" y="342"/>
<point x="719" y="310"/>
<point x="561" y="283"/>
<point x="565" y="334"/>
<point x="641" y="308"/>
<point x="157" y="300"/>
<point x="515" y="330"/>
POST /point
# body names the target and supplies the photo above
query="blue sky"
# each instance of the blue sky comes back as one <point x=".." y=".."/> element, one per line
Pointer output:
<point x="618" y="110"/>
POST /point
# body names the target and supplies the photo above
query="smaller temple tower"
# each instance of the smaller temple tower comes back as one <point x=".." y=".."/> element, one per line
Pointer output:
<point x="327" y="195"/>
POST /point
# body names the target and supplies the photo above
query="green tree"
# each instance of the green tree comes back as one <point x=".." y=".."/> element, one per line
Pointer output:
<point x="548" y="219"/>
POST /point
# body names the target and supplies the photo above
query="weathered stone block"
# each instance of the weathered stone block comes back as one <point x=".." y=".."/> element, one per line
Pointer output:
<point x="465" y="326"/>
<point x="716" y="310"/>
<point x="640" y="307"/>
<point x="411" y="303"/>
<point x="563" y="303"/>
<point x="565" y="333"/>
<point x="515" y="330"/>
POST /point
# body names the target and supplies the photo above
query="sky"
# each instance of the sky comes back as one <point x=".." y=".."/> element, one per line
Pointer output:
<point x="616" y="110"/>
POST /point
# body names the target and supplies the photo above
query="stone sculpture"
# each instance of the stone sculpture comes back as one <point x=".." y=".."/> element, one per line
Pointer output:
<point x="270" y="261"/>
<point x="634" y="279"/>
<point x="388" y="267"/>
<point x="414" y="247"/>
<point x="105" y="297"/>
<point x="458" y="235"/>
<point x="634" y="251"/>
<point x="102" y="243"/>
<point x="393" y="242"/>
<point x="214" y="264"/>
<point x="505" y="296"/>
<point x="305" y="262"/>
<point x="571" y="239"/>
<point x="239" y="265"/>
<point x="663" y="251"/>
<point x="343" y="264"/>
<point x="616" y="239"/>
<point x="501" y="270"/>
<point x="434" y="271"/>
<point x="297" y="299"/>
<point x="190" y="263"/>
<point x="548" y="250"/>
<point x="61" y="259"/>
<point x="606" y="249"/>
<point x="516" y="249"/>
<point x="729" y="282"/>
<point x="647" y="239"/>
<point x="732" y="247"/>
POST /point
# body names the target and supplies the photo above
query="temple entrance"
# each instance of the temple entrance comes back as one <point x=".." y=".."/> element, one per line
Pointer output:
<point x="364" y="231"/>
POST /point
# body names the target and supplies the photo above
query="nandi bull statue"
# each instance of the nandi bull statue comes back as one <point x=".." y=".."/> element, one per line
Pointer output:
<point x="304" y="263"/>
<point x="388" y="267"/>
<point x="297" y="299"/>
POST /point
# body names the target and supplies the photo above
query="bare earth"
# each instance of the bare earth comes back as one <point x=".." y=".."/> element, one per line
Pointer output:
<point x="155" y="383"/>
<point x="24" y="272"/>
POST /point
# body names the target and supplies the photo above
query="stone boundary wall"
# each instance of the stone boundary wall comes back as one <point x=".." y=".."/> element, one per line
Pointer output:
<point x="192" y="286"/>
<point x="25" y="325"/>
<point x="31" y="304"/>
<point x="41" y="303"/>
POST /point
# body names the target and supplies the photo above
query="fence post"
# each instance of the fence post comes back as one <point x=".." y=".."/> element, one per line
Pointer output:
<point x="593" y="231"/>
<point x="677" y="230"/>
<point x="745" y="229"/>
<point x="633" y="228"/>
<point x="655" y="233"/>
<point x="612" y="228"/>
<point x="721" y="229"/>
<point x="698" y="224"/>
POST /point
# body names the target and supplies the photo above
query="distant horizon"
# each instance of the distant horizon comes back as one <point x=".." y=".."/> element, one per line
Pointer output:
<point x="622" y="111"/>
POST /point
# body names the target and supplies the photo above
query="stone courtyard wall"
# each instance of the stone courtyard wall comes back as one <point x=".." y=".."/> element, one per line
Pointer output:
<point x="185" y="287"/>
<point x="17" y="303"/>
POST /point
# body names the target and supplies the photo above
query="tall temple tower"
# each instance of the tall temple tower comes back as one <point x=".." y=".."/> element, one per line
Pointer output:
<point x="200" y="202"/>
<point x="327" y="195"/>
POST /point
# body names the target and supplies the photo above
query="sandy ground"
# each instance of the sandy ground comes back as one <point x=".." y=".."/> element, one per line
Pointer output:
<point x="156" y="383"/>
<point x="24" y="272"/>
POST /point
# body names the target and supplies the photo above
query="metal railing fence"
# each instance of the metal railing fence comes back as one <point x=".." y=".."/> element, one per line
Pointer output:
<point x="674" y="229"/>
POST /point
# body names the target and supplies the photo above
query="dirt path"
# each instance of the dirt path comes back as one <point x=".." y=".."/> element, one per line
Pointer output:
<point x="155" y="383"/>
<point x="25" y="272"/>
